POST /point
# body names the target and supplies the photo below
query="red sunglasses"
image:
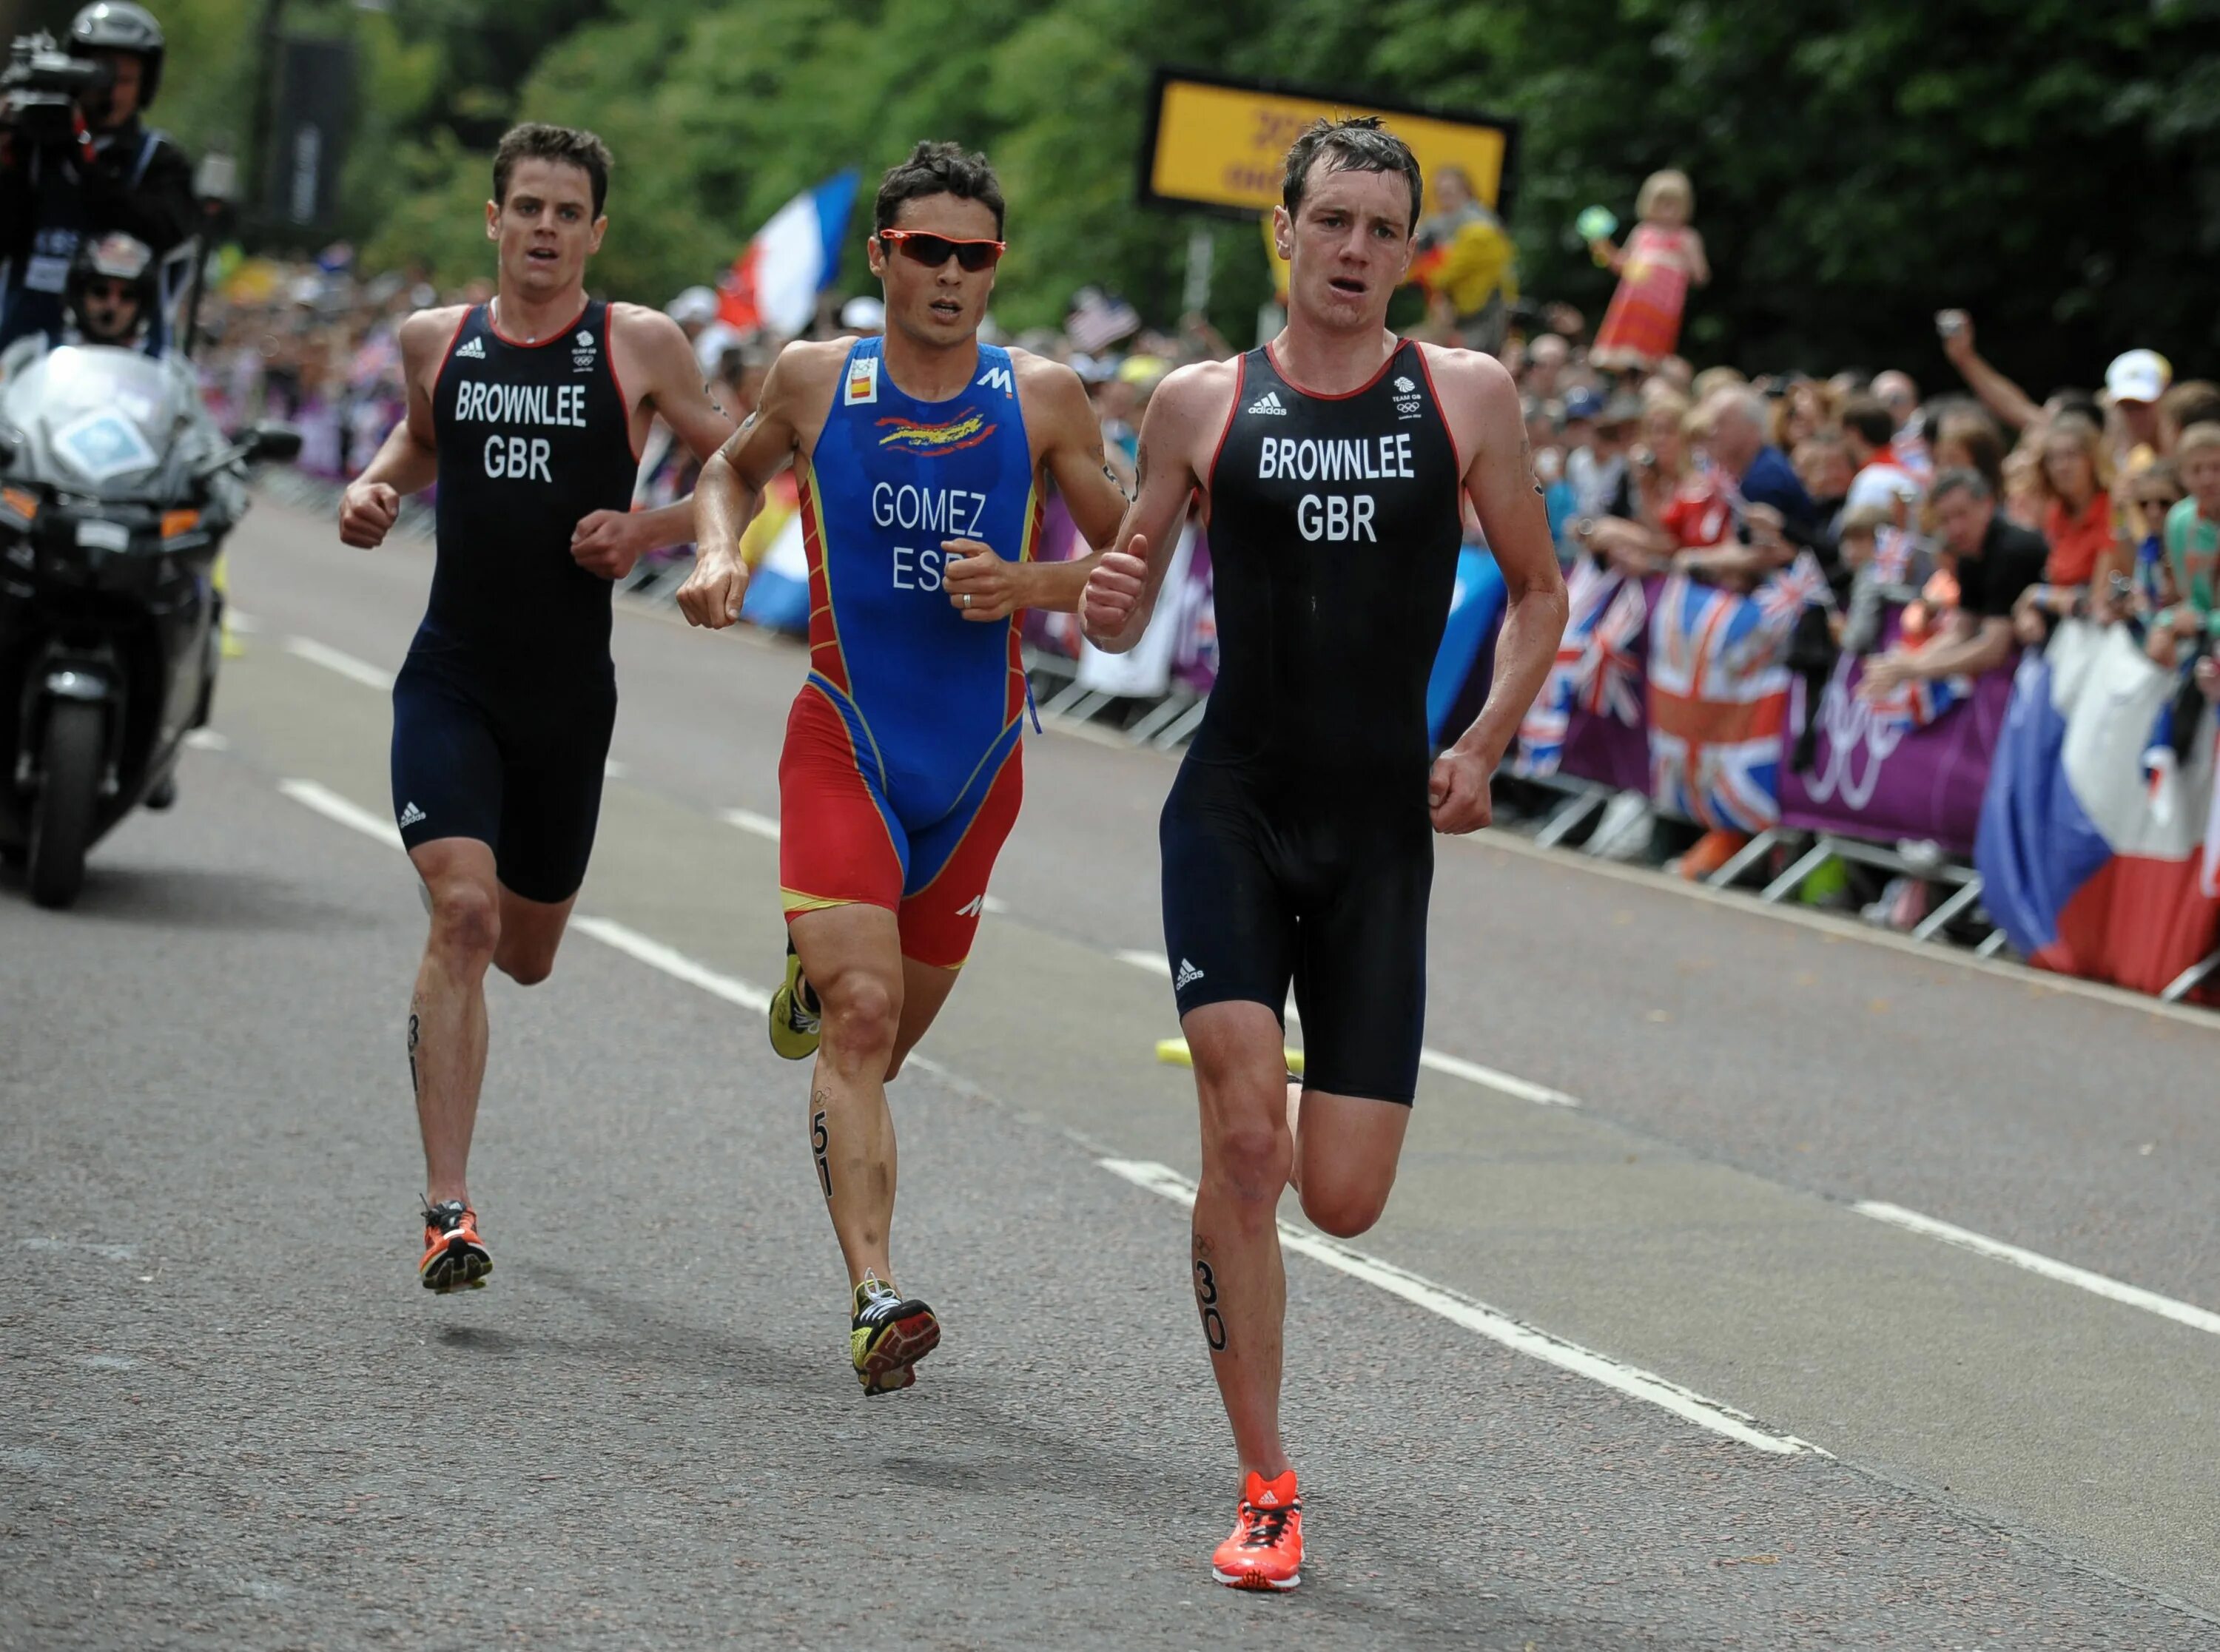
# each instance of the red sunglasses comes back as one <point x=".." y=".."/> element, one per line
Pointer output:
<point x="934" y="251"/>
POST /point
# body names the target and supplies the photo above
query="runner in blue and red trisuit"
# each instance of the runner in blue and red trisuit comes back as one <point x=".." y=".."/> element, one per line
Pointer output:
<point x="923" y="459"/>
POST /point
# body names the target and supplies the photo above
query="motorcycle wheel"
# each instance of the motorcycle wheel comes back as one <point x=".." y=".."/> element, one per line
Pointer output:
<point x="61" y="820"/>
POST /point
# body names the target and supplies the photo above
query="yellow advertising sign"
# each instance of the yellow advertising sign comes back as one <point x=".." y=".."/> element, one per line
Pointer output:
<point x="1221" y="144"/>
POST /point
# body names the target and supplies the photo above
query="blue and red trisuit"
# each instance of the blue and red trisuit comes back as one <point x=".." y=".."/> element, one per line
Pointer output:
<point x="901" y="775"/>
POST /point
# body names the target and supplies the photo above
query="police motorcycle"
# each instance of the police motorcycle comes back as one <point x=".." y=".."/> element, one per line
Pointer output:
<point x="116" y="491"/>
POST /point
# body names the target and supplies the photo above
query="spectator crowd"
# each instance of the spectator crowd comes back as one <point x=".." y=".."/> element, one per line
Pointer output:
<point x="1972" y="517"/>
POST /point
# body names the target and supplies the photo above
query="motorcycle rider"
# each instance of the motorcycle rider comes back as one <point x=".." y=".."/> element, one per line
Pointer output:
<point x="111" y="172"/>
<point x="111" y="290"/>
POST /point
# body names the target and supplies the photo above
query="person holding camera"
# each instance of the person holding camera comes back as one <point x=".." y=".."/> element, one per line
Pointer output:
<point x="77" y="162"/>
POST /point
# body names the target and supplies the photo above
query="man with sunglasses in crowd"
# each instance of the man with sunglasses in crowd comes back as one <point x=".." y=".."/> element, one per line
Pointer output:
<point x="923" y="457"/>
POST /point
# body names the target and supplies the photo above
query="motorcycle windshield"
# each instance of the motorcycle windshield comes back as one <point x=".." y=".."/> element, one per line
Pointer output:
<point x="102" y="419"/>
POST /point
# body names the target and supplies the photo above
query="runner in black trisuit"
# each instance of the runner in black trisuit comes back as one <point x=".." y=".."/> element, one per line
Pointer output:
<point x="529" y="412"/>
<point x="1298" y="839"/>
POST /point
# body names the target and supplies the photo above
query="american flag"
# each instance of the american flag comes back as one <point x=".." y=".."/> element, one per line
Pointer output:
<point x="1719" y="703"/>
<point x="1098" y="321"/>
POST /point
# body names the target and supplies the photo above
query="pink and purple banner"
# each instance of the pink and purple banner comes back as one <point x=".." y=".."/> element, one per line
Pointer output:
<point x="1887" y="773"/>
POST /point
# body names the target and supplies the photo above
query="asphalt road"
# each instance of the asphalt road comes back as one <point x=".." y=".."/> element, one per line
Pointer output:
<point x="1768" y="1418"/>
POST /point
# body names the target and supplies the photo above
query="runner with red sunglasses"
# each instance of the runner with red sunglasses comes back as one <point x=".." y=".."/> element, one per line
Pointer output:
<point x="922" y="458"/>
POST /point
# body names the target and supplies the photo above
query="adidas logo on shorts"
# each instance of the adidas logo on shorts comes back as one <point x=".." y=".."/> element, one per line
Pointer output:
<point x="1188" y="975"/>
<point x="474" y="348"/>
<point x="1268" y="402"/>
<point x="410" y="814"/>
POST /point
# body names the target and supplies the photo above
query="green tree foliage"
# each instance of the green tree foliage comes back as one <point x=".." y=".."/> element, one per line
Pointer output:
<point x="2049" y="163"/>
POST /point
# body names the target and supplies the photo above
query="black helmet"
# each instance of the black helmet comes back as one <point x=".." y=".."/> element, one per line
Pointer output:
<point x="114" y="257"/>
<point x="119" y="26"/>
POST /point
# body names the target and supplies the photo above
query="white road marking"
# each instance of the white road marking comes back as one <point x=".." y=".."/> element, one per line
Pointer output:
<point x="748" y="820"/>
<point x="1451" y="1066"/>
<point x="207" y="739"/>
<point x="1493" y="1325"/>
<point x="329" y="804"/>
<point x="672" y="962"/>
<point x="609" y="931"/>
<point x="2064" y="1272"/>
<point x="239" y="620"/>
<point x="611" y="769"/>
<point x="1472" y="1073"/>
<point x="987" y="903"/>
<point x="112" y="1252"/>
<point x="332" y="659"/>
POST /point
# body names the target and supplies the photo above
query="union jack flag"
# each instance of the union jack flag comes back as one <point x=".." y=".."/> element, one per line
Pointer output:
<point x="1596" y="669"/>
<point x="1786" y="595"/>
<point x="1719" y="703"/>
<point x="1915" y="705"/>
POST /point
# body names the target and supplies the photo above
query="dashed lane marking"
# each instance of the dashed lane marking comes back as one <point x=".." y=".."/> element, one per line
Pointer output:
<point x="1495" y="1326"/>
<point x="1450" y="1066"/>
<point x="333" y="807"/>
<point x="332" y="659"/>
<point x="329" y="804"/>
<point x="673" y="963"/>
<point x="2064" y="1273"/>
<point x="761" y="825"/>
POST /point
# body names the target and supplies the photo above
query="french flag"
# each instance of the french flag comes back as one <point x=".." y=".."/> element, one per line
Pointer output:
<point x="2090" y="863"/>
<point x="775" y="282"/>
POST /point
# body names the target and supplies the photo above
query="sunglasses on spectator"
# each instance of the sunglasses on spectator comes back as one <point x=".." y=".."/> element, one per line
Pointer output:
<point x="111" y="292"/>
<point x="934" y="251"/>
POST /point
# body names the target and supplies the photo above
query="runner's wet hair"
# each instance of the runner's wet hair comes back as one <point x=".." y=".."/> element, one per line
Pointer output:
<point x="1359" y="144"/>
<point x="938" y="169"/>
<point x="536" y="141"/>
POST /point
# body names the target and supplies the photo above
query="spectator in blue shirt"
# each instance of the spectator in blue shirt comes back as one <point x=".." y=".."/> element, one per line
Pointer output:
<point x="1736" y="422"/>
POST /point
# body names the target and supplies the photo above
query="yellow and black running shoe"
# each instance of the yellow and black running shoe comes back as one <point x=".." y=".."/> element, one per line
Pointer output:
<point x="891" y="1333"/>
<point x="795" y="1013"/>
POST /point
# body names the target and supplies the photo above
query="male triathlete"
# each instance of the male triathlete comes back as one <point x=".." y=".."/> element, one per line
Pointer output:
<point x="529" y="412"/>
<point x="921" y="458"/>
<point x="1298" y="839"/>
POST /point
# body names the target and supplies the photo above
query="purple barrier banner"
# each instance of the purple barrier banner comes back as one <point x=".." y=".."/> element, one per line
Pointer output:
<point x="1889" y="773"/>
<point x="1601" y="748"/>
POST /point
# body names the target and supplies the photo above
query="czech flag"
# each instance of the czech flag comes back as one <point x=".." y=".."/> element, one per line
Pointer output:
<point x="2090" y="855"/>
<point x="775" y="282"/>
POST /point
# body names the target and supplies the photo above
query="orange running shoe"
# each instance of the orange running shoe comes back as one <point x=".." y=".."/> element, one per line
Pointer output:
<point x="1266" y="1548"/>
<point x="1709" y="852"/>
<point x="455" y="1258"/>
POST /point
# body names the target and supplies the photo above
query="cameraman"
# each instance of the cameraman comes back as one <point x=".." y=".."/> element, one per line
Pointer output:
<point x="105" y="172"/>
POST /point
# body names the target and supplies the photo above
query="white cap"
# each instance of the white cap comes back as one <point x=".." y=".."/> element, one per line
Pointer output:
<point x="2138" y="376"/>
<point x="865" y="314"/>
<point x="695" y="307"/>
<point x="710" y="345"/>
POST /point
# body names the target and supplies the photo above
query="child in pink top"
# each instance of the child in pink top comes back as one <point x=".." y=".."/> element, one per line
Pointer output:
<point x="1660" y="259"/>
